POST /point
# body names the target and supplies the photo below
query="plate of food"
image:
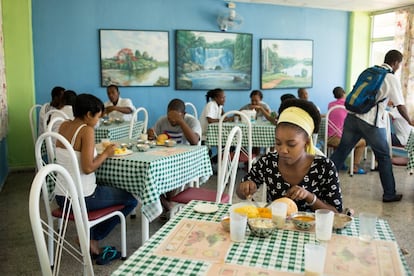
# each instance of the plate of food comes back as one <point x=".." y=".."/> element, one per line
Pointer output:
<point x="122" y="152"/>
<point x="205" y="208"/>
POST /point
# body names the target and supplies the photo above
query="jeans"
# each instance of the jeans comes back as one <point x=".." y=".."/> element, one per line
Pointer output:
<point x="105" y="196"/>
<point x="354" y="130"/>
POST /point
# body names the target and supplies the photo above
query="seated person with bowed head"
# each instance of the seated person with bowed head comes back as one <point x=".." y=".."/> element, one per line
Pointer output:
<point x="80" y="133"/>
<point x="117" y="107"/>
<point x="179" y="126"/>
<point x="55" y="103"/>
<point x="401" y="129"/>
<point x="262" y="109"/>
<point x="336" y="127"/>
<point x="213" y="109"/>
<point x="293" y="170"/>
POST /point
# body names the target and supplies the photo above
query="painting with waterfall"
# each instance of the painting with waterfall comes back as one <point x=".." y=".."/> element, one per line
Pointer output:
<point x="286" y="63"/>
<point x="134" y="58"/>
<point x="207" y="60"/>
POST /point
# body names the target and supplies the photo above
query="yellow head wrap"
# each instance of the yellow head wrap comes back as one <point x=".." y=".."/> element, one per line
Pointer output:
<point x="302" y="119"/>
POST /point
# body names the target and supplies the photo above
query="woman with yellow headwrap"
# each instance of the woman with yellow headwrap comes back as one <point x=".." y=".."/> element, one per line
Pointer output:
<point x="294" y="170"/>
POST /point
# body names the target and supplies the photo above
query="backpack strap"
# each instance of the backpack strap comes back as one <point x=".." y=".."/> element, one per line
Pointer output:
<point x="380" y="101"/>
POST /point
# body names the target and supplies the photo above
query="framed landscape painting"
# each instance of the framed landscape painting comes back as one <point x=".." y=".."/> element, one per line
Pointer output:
<point x="207" y="60"/>
<point x="286" y="63"/>
<point x="134" y="58"/>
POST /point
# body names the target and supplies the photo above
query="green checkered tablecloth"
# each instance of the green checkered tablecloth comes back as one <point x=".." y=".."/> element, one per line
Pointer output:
<point x="117" y="131"/>
<point x="284" y="250"/>
<point x="410" y="149"/>
<point x="263" y="134"/>
<point x="152" y="173"/>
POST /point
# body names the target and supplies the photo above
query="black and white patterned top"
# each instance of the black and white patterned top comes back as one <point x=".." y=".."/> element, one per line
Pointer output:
<point x="321" y="179"/>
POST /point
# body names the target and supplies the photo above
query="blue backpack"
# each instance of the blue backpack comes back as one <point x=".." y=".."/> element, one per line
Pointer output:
<point x="363" y="96"/>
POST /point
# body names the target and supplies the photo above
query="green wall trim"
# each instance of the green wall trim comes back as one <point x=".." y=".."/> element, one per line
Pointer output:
<point x="18" y="48"/>
<point x="358" y="46"/>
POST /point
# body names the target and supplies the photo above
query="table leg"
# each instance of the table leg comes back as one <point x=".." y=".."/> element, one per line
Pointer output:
<point x="144" y="228"/>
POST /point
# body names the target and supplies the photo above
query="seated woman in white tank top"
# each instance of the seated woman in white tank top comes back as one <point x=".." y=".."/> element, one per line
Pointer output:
<point x="80" y="133"/>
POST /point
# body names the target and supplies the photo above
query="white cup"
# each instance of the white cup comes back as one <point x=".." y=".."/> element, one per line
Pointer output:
<point x="279" y="211"/>
<point x="238" y="225"/>
<point x="323" y="224"/>
<point x="236" y="119"/>
<point x="315" y="255"/>
<point x="144" y="137"/>
<point x="367" y="222"/>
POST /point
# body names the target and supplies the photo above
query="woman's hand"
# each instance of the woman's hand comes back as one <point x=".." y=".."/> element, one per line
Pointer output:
<point x="246" y="188"/>
<point x="298" y="193"/>
<point x="109" y="150"/>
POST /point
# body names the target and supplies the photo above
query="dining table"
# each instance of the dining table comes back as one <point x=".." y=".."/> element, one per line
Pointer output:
<point x="117" y="131"/>
<point x="194" y="243"/>
<point x="409" y="147"/>
<point x="151" y="173"/>
<point x="263" y="133"/>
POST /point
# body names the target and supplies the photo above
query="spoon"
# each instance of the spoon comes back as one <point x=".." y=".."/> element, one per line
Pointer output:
<point x="249" y="198"/>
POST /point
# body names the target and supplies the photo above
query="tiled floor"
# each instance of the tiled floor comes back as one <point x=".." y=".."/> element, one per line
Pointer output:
<point x="18" y="255"/>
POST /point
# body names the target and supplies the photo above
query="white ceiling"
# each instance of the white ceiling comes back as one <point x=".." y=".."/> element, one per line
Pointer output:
<point x="345" y="5"/>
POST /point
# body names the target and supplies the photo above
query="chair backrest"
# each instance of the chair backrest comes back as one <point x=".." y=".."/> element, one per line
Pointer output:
<point x="33" y="118"/>
<point x="194" y="109"/>
<point x="47" y="138"/>
<point x="53" y="113"/>
<point x="135" y="118"/>
<point x="329" y="123"/>
<point x="249" y="136"/>
<point x="227" y="170"/>
<point x="42" y="229"/>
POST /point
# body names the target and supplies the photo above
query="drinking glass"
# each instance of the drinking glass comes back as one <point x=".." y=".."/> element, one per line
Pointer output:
<point x="238" y="225"/>
<point x="323" y="224"/>
<point x="315" y="255"/>
<point x="279" y="211"/>
<point x="367" y="223"/>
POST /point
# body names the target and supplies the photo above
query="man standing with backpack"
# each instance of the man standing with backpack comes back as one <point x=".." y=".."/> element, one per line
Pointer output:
<point x="371" y="125"/>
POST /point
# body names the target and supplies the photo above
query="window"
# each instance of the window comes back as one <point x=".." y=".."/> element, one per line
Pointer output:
<point x="382" y="37"/>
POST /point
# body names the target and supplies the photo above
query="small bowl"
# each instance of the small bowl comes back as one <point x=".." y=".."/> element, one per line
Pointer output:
<point x="341" y="221"/>
<point x="126" y="145"/>
<point x="106" y="122"/>
<point x="118" y="121"/>
<point x="152" y="143"/>
<point x="303" y="220"/>
<point x="225" y="223"/>
<point x="170" y="143"/>
<point x="261" y="227"/>
<point x="142" y="147"/>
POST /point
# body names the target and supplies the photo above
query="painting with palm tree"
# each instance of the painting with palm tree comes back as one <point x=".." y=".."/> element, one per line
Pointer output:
<point x="286" y="63"/>
<point x="206" y="60"/>
<point x="134" y="58"/>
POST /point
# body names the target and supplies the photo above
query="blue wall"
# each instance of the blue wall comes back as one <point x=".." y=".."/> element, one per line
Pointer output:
<point x="66" y="45"/>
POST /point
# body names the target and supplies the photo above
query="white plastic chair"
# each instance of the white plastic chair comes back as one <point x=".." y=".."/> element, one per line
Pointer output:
<point x="192" y="106"/>
<point x="135" y="118"/>
<point x="246" y="152"/>
<point x="91" y="218"/>
<point x="33" y="118"/>
<point x="42" y="229"/>
<point x="325" y="144"/>
<point x="53" y="113"/>
<point x="226" y="177"/>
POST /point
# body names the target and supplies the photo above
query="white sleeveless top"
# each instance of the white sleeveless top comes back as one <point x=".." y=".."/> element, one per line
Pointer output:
<point x="63" y="158"/>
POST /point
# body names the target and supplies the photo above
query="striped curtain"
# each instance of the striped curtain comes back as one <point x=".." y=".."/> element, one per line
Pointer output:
<point x="404" y="38"/>
<point x="3" y="87"/>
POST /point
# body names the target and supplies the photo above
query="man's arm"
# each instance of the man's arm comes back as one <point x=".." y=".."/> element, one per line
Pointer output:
<point x="403" y="111"/>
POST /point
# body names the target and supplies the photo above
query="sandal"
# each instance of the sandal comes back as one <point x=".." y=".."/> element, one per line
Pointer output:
<point x="360" y="171"/>
<point x="108" y="254"/>
<point x="103" y="249"/>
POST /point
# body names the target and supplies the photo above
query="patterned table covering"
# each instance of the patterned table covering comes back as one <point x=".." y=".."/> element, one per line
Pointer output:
<point x="152" y="173"/>
<point x="410" y="149"/>
<point x="117" y="131"/>
<point x="263" y="134"/>
<point x="283" y="250"/>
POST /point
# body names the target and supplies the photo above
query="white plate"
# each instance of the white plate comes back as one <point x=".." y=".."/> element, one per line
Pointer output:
<point x="127" y="152"/>
<point x="205" y="208"/>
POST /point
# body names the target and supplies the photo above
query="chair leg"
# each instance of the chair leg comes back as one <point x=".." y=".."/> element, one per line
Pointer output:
<point x="123" y="237"/>
<point x="144" y="228"/>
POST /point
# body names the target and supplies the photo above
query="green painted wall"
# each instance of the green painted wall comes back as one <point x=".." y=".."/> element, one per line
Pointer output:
<point x="358" y="46"/>
<point x="17" y="29"/>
